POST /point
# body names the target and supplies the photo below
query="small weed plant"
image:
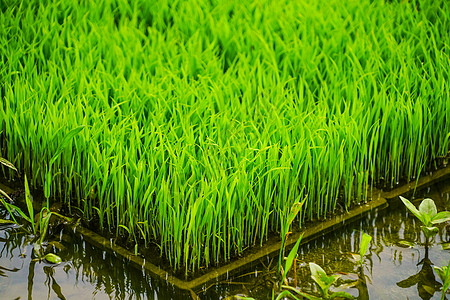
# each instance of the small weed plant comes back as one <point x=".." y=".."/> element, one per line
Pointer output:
<point x="428" y="215"/>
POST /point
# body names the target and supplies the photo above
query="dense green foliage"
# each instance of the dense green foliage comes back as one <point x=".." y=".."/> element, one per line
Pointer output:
<point x="206" y="120"/>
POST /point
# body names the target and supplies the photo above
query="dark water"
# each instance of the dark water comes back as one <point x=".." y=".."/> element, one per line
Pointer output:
<point x="392" y="269"/>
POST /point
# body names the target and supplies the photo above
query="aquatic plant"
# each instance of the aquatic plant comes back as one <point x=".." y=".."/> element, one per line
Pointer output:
<point x="323" y="281"/>
<point x="206" y="120"/>
<point x="444" y="275"/>
<point x="39" y="226"/>
<point x="428" y="215"/>
<point x="364" y="246"/>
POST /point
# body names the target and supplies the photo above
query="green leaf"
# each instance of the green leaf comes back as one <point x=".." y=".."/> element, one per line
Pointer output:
<point x="5" y="195"/>
<point x="319" y="276"/>
<point x="67" y="139"/>
<point x="441" y="217"/>
<point x="296" y="207"/>
<point x="429" y="231"/>
<point x="29" y="203"/>
<point x="427" y="207"/>
<point x="53" y="258"/>
<point x="444" y="275"/>
<point x="365" y="242"/>
<point x="288" y="293"/>
<point x="8" y="164"/>
<point x="3" y="221"/>
<point x="341" y="295"/>
<point x="290" y="258"/>
<point x="412" y="208"/>
<point x="43" y="223"/>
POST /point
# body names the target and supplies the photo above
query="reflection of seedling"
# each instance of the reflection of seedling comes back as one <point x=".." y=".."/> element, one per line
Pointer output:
<point x="444" y="275"/>
<point x="428" y="215"/>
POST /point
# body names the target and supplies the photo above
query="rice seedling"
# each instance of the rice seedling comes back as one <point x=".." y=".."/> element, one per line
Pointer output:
<point x="199" y="124"/>
<point x="39" y="226"/>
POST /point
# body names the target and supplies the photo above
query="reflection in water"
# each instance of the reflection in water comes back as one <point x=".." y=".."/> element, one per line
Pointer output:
<point x="51" y="282"/>
<point x="424" y="279"/>
<point x="86" y="272"/>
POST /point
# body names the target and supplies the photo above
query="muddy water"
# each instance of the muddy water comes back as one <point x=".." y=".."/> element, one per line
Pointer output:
<point x="397" y="266"/>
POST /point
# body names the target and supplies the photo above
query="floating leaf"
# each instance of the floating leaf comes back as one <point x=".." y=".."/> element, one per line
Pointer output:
<point x="53" y="258"/>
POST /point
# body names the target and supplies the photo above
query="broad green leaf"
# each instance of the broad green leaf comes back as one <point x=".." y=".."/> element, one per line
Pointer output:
<point x="445" y="246"/>
<point x="412" y="208"/>
<point x="53" y="258"/>
<point x="291" y="257"/>
<point x="318" y="275"/>
<point x="365" y="242"/>
<point x="427" y="207"/>
<point x="441" y="217"/>
<point x="329" y="280"/>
